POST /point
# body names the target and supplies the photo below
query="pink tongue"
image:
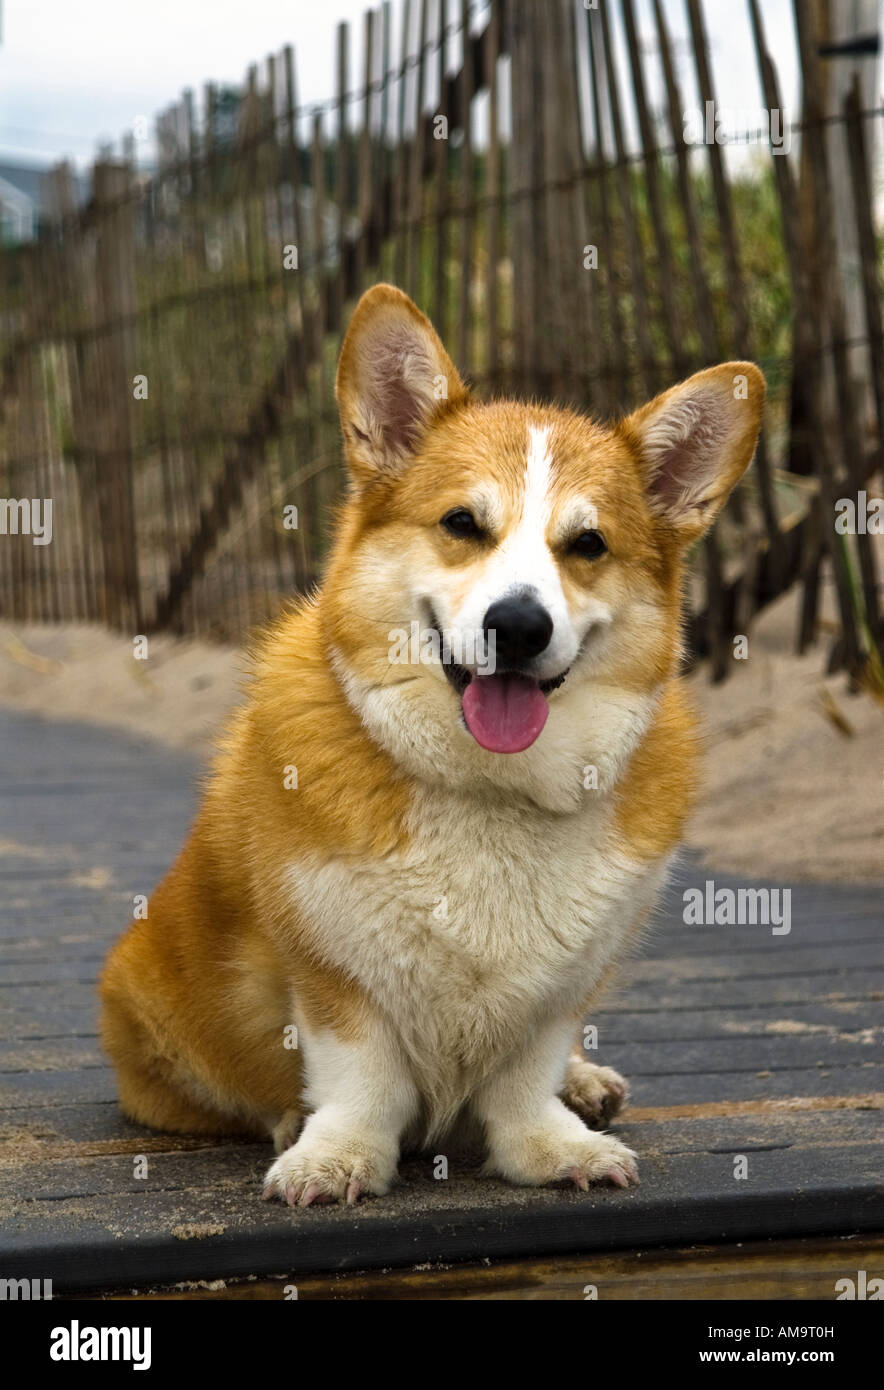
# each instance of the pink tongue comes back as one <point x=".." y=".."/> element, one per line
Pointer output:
<point x="504" y="713"/>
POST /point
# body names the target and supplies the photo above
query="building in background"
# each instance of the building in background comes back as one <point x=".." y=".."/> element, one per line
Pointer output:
<point x="24" y="200"/>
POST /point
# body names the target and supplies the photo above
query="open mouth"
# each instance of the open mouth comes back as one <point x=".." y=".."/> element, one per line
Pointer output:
<point x="504" y="712"/>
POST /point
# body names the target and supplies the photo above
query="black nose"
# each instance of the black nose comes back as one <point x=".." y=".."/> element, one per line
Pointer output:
<point x="522" y="629"/>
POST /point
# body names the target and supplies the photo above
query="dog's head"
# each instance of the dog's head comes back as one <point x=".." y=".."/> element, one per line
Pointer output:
<point x="507" y="577"/>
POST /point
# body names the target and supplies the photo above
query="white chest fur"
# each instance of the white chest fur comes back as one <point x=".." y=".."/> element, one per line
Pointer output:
<point x="496" y="918"/>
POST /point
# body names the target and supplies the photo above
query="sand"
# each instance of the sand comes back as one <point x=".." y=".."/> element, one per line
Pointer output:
<point x="179" y="695"/>
<point x="794" y="776"/>
<point x="794" y="765"/>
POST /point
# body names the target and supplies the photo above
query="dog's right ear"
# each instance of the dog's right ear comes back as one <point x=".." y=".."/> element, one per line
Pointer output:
<point x="394" y="376"/>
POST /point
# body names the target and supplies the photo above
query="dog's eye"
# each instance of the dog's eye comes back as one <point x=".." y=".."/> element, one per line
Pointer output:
<point x="461" y="523"/>
<point x="589" y="544"/>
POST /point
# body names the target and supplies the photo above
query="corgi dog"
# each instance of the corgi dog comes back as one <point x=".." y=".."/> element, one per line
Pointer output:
<point x="445" y="812"/>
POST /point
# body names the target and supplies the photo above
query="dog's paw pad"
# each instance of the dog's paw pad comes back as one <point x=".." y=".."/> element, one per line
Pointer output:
<point x="596" y="1094"/>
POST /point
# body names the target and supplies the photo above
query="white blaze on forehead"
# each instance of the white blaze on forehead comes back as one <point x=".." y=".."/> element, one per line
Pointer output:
<point x="535" y="499"/>
<point x="523" y="559"/>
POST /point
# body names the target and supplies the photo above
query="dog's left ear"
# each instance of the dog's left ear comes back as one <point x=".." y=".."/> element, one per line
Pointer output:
<point x="695" y="441"/>
<point x="394" y="377"/>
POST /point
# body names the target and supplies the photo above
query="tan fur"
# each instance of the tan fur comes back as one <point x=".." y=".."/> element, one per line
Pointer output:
<point x="249" y="932"/>
<point x="204" y="984"/>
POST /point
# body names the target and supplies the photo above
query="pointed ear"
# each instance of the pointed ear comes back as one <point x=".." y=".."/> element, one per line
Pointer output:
<point x="695" y="441"/>
<point x="394" y="377"/>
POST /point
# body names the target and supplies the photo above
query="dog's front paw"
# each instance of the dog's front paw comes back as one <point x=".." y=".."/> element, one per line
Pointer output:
<point x="605" y="1159"/>
<point x="562" y="1150"/>
<point x="595" y="1093"/>
<point x="329" y="1167"/>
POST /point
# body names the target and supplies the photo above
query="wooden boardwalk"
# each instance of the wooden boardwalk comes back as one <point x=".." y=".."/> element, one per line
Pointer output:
<point x="736" y="1042"/>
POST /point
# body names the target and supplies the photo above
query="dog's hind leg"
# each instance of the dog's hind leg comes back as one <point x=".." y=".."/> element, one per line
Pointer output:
<point x="153" y="1090"/>
<point x="285" y="1132"/>
<point x="595" y="1093"/>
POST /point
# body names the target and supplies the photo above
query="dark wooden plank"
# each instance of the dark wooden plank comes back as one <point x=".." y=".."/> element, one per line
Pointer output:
<point x="65" y="1053"/>
<point x="36" y="973"/>
<point x="793" y="960"/>
<point x="738" y="1087"/>
<point x="87" y="1122"/>
<point x="824" y="1020"/>
<point x="738" y="1054"/>
<point x="828" y="986"/>
<point x="163" y="1236"/>
<point x="20" y="1091"/>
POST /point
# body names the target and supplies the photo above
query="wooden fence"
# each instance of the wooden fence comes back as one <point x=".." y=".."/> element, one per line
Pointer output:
<point x="167" y="351"/>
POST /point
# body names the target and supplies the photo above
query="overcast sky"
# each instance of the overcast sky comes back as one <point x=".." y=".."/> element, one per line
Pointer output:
<point x="77" y="72"/>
